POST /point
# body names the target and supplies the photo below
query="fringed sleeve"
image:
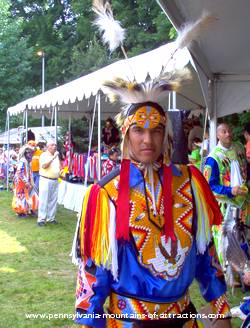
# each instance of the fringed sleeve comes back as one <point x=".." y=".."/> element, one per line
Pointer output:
<point x="207" y="209"/>
<point x="97" y="256"/>
<point x="96" y="230"/>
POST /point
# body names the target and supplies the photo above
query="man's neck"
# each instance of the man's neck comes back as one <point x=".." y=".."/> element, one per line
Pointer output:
<point x="223" y="146"/>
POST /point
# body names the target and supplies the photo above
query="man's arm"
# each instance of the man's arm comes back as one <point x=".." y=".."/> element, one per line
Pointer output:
<point x="212" y="175"/>
<point x="47" y="164"/>
<point x="91" y="292"/>
<point x="212" y="285"/>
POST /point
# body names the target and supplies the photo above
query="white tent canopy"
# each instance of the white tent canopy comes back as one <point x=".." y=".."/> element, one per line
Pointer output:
<point x="77" y="97"/>
<point x="221" y="56"/>
<point x="41" y="134"/>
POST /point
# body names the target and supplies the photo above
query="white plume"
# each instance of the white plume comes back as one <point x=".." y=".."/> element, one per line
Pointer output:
<point x="112" y="32"/>
<point x="192" y="31"/>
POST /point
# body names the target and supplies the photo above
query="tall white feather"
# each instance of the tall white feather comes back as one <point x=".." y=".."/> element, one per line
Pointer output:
<point x="192" y="31"/>
<point x="112" y="32"/>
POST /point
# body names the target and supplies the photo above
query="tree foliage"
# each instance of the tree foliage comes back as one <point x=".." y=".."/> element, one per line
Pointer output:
<point x="15" y="67"/>
<point x="72" y="45"/>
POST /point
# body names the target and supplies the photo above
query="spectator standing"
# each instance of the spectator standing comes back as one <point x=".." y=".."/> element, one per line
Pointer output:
<point x="111" y="163"/>
<point x="48" y="185"/>
<point x="195" y="157"/>
<point x="25" y="199"/>
<point x="110" y="134"/>
<point x="195" y="132"/>
<point x="226" y="171"/>
<point x="35" y="163"/>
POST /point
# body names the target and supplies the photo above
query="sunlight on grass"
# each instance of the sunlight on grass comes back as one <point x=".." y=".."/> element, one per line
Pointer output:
<point x="9" y="244"/>
<point x="6" y="269"/>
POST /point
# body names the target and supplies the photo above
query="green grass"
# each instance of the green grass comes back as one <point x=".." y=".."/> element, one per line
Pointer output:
<point x="36" y="273"/>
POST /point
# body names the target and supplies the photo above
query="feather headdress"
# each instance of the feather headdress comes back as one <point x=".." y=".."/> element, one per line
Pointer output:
<point x="194" y="30"/>
<point x="112" y="32"/>
<point x="190" y="32"/>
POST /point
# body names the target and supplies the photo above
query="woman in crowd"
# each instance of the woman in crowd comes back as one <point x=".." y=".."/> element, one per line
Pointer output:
<point x="25" y="200"/>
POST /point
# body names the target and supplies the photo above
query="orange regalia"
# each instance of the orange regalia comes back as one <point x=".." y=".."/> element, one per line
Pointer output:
<point x="146" y="274"/>
<point x="144" y="235"/>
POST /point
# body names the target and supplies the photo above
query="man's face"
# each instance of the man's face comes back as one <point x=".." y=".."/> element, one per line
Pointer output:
<point x="224" y="134"/>
<point x="52" y="148"/>
<point x="114" y="157"/>
<point x="108" y="124"/>
<point x="145" y="145"/>
<point x="28" y="154"/>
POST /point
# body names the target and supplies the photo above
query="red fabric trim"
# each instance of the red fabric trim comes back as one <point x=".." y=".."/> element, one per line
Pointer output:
<point x="89" y="220"/>
<point x="122" y="212"/>
<point x="217" y="217"/>
<point x="168" y="203"/>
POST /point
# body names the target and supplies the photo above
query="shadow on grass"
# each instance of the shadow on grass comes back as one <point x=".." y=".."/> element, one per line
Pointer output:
<point x="36" y="273"/>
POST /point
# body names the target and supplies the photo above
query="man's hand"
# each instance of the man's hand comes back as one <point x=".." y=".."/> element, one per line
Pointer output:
<point x="56" y="154"/>
<point x="239" y="190"/>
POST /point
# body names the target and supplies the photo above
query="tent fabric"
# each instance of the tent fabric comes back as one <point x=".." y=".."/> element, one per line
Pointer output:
<point x="78" y="97"/>
<point x="221" y="56"/>
<point x="41" y="134"/>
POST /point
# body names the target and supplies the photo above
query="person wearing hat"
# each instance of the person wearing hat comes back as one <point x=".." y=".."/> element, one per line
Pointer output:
<point x="25" y="199"/>
<point x="144" y="233"/>
<point x="48" y="184"/>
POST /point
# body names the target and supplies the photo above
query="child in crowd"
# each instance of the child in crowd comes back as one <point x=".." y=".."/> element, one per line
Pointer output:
<point x="195" y="157"/>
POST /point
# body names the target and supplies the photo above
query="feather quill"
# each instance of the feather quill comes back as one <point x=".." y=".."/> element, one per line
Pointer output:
<point x="111" y="30"/>
<point x="193" y="31"/>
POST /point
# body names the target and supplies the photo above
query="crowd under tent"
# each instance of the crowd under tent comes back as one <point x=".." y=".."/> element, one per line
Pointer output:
<point x="221" y="56"/>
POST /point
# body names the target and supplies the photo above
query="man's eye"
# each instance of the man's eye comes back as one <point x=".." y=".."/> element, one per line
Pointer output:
<point x="158" y="130"/>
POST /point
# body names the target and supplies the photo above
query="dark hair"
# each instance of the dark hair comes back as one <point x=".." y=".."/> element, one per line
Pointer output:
<point x="196" y="139"/>
<point x="113" y="151"/>
<point x="247" y="128"/>
<point x="110" y="120"/>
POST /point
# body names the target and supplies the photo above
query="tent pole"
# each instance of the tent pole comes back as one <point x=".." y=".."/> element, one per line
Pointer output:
<point x="69" y="127"/>
<point x="8" y="151"/>
<point x="99" y="136"/>
<point x="90" y="126"/>
<point x="213" y="110"/>
<point x="203" y="137"/>
<point x="56" y="123"/>
<point x="26" y="123"/>
<point x="43" y="120"/>
<point x="70" y="143"/>
<point x="174" y="99"/>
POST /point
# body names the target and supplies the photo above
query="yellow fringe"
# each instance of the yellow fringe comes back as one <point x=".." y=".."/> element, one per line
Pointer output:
<point x="100" y="239"/>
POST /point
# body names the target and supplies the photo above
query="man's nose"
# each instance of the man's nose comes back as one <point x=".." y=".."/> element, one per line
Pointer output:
<point x="147" y="137"/>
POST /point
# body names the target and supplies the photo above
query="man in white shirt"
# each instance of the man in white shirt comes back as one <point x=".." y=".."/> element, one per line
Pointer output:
<point x="48" y="185"/>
